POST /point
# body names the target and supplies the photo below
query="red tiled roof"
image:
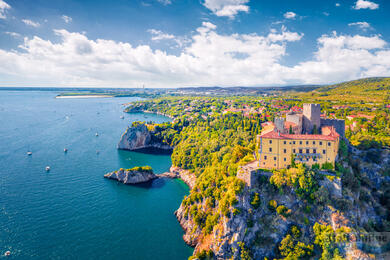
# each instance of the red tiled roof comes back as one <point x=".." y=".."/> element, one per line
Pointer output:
<point x="275" y="135"/>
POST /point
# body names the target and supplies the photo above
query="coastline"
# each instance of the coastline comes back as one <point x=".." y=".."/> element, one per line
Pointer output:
<point x="147" y="111"/>
<point x="85" y="96"/>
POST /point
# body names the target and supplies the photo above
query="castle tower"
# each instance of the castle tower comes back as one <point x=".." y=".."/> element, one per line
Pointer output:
<point x="279" y="124"/>
<point x="311" y="117"/>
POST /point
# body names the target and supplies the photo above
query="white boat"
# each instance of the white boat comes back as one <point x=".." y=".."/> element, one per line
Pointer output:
<point x="7" y="253"/>
<point x="29" y="153"/>
<point x="65" y="150"/>
<point x="97" y="134"/>
<point x="122" y="117"/>
<point x="47" y="168"/>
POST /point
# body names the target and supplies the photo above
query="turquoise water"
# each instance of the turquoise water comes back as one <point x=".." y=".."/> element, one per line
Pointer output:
<point x="72" y="212"/>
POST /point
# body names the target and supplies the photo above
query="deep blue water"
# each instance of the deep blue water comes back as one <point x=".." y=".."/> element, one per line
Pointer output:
<point x="72" y="212"/>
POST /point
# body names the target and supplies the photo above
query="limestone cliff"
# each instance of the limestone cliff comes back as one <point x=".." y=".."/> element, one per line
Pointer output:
<point x="139" y="137"/>
<point x="353" y="202"/>
<point x="131" y="176"/>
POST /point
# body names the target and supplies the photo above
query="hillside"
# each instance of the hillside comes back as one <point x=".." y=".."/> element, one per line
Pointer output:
<point x="362" y="90"/>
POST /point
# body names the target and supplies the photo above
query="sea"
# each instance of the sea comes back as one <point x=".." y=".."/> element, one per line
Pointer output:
<point x="71" y="211"/>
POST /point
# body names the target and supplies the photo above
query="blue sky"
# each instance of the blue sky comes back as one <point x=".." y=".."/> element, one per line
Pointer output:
<point x="172" y="43"/>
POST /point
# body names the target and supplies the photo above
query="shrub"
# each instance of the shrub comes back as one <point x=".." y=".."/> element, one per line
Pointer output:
<point x="141" y="169"/>
<point x="255" y="202"/>
<point x="291" y="248"/>
<point x="283" y="211"/>
<point x="327" y="166"/>
<point x="272" y="205"/>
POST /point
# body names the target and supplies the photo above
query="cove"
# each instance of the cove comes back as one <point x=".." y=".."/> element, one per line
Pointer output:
<point x="72" y="212"/>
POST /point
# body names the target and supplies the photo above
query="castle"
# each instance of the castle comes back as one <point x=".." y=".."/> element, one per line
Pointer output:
<point x="307" y="136"/>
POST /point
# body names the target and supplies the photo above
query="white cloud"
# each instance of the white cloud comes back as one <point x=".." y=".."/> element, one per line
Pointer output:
<point x="341" y="58"/>
<point x="159" y="35"/>
<point x="209" y="59"/>
<point x="362" y="25"/>
<point x="165" y="2"/>
<point x="67" y="19"/>
<point x="31" y="23"/>
<point x="364" y="4"/>
<point x="13" y="34"/>
<point x="3" y="7"/>
<point x="229" y="8"/>
<point x="290" y="15"/>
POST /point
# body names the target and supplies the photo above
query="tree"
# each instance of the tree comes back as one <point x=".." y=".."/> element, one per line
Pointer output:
<point x="255" y="200"/>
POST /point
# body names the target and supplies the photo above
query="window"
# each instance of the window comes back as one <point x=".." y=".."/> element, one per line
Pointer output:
<point x="284" y="142"/>
<point x="314" y="151"/>
<point x="270" y="150"/>
<point x="285" y="159"/>
<point x="265" y="157"/>
<point x="293" y="150"/>
<point x="274" y="158"/>
<point x="329" y="143"/>
<point x="320" y="143"/>
<point x="323" y="151"/>
<point x="314" y="142"/>
<point x="307" y="142"/>
<point x="270" y="141"/>
<point x="300" y="150"/>
<point x="300" y="142"/>
<point x="307" y="150"/>
<point x="285" y="150"/>
<point x="293" y="142"/>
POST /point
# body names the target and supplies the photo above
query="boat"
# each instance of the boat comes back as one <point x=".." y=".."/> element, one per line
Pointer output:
<point x="47" y="168"/>
<point x="97" y="152"/>
<point x="65" y="150"/>
<point x="122" y="117"/>
<point x="29" y="153"/>
<point x="97" y="134"/>
<point x="7" y="253"/>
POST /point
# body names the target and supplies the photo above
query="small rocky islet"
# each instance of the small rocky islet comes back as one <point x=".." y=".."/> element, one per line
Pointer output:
<point x="132" y="176"/>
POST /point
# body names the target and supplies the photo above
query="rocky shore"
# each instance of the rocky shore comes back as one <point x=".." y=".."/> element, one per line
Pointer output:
<point x="137" y="110"/>
<point x="186" y="176"/>
<point x="131" y="176"/>
<point x="139" y="137"/>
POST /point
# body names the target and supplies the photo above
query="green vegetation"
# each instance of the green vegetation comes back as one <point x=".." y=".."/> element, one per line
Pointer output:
<point x="326" y="238"/>
<point x="255" y="202"/>
<point x="213" y="136"/>
<point x="302" y="179"/>
<point x="292" y="248"/>
<point x="141" y="169"/>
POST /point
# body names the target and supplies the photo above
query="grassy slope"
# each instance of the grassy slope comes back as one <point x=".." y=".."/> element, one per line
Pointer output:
<point x="375" y="90"/>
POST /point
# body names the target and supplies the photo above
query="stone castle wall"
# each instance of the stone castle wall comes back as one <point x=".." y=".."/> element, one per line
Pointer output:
<point x="338" y="124"/>
<point x="296" y="119"/>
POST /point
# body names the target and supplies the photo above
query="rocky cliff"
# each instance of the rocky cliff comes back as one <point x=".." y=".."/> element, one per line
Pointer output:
<point x="357" y="202"/>
<point x="130" y="176"/>
<point x="188" y="177"/>
<point x="139" y="137"/>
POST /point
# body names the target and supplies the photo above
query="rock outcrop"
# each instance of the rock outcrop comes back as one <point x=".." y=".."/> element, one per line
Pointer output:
<point x="188" y="177"/>
<point x="139" y="137"/>
<point x="130" y="176"/>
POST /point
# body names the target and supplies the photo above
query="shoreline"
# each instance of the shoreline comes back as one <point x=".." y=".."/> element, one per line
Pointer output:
<point x="85" y="96"/>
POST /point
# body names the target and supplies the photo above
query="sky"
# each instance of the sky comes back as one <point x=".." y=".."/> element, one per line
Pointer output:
<point x="182" y="43"/>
